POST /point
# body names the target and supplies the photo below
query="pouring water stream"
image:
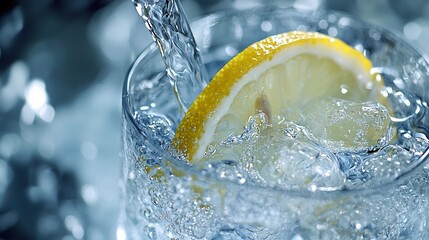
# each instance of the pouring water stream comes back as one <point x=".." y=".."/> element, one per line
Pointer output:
<point x="171" y="31"/>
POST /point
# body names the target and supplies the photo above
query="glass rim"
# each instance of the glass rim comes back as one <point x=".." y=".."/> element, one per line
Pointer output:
<point x="418" y="165"/>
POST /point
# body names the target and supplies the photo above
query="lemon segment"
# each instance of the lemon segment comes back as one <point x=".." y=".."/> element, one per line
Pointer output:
<point x="276" y="76"/>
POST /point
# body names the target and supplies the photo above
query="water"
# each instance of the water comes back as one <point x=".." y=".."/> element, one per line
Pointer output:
<point x="291" y="181"/>
<point x="170" y="30"/>
<point x="176" y="211"/>
<point x="193" y="208"/>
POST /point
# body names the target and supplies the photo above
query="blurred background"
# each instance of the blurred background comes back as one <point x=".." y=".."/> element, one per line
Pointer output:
<point x="62" y="64"/>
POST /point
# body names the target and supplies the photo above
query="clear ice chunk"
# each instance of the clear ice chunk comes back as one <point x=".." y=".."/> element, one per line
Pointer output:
<point x="345" y="125"/>
<point x="282" y="155"/>
<point x="288" y="158"/>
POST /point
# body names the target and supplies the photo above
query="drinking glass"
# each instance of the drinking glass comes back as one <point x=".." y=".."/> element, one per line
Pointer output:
<point x="165" y="197"/>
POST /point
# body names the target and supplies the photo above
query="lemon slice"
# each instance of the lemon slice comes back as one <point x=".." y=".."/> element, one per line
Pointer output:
<point x="276" y="76"/>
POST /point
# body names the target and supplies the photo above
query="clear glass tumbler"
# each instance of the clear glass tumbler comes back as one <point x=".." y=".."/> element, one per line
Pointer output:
<point x="168" y="198"/>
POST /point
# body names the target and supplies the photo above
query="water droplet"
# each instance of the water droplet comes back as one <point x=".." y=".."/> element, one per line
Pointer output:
<point x="344" y="21"/>
<point x="240" y="178"/>
<point x="151" y="233"/>
<point x="344" y="89"/>
<point x="147" y="213"/>
<point x="155" y="201"/>
<point x="131" y="175"/>
<point x="332" y="31"/>
<point x="323" y="24"/>
<point x="211" y="150"/>
<point x="266" y="26"/>
<point x="231" y="51"/>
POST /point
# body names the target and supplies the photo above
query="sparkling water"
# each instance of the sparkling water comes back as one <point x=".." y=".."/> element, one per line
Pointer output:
<point x="292" y="180"/>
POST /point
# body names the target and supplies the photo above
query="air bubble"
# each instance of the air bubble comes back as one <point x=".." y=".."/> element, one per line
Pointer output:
<point x="152" y="233"/>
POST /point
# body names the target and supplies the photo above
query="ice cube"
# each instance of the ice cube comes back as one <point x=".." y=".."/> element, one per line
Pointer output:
<point x="282" y="155"/>
<point x="295" y="161"/>
<point x="384" y="165"/>
<point x="379" y="167"/>
<point x="345" y="125"/>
